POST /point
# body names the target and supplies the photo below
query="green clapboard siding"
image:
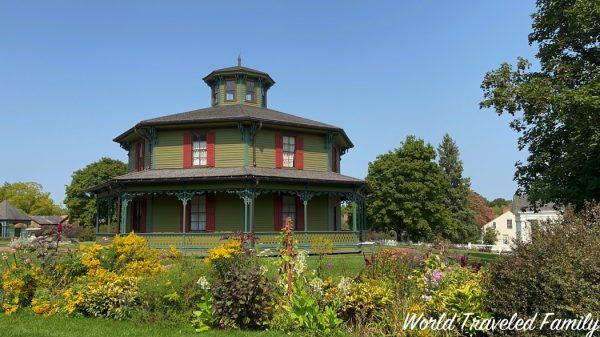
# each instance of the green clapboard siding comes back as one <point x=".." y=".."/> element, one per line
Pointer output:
<point x="229" y="213"/>
<point x="165" y="214"/>
<point x="168" y="152"/>
<point x="315" y="154"/>
<point x="264" y="217"/>
<point x="318" y="214"/>
<point x="265" y="149"/>
<point x="229" y="148"/>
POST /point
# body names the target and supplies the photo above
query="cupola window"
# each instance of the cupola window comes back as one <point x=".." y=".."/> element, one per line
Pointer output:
<point x="215" y="93"/>
<point x="289" y="149"/>
<point x="250" y="91"/>
<point x="230" y="90"/>
<point x="199" y="153"/>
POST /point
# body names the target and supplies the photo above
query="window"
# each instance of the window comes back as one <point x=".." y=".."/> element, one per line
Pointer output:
<point x="198" y="213"/>
<point x="215" y="93"/>
<point x="230" y="90"/>
<point x="494" y="225"/>
<point x="505" y="239"/>
<point x="509" y="223"/>
<point x="289" y="148"/>
<point x="199" y="153"/>
<point x="250" y="91"/>
<point x="289" y="210"/>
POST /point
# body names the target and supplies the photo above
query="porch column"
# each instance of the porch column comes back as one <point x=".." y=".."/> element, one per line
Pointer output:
<point x="354" y="212"/>
<point x="126" y="198"/>
<point x="97" y="215"/>
<point x="305" y="197"/>
<point x="184" y="197"/>
<point x="109" y="217"/>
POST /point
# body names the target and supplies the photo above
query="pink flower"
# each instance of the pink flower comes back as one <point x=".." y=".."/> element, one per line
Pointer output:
<point x="104" y="238"/>
<point x="436" y="275"/>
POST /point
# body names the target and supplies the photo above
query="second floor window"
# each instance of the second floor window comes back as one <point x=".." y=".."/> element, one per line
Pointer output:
<point x="198" y="213"/>
<point x="509" y="224"/>
<point x="199" y="153"/>
<point x="289" y="148"/>
<point x="230" y="90"/>
<point x="288" y="210"/>
<point x="250" y="91"/>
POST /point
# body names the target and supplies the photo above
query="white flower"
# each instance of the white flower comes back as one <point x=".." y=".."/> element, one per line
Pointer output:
<point x="300" y="263"/>
<point x="203" y="283"/>
<point x="344" y="285"/>
<point x="316" y="284"/>
<point x="264" y="270"/>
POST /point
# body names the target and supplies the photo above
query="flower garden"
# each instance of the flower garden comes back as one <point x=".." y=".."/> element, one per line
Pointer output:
<point x="235" y="290"/>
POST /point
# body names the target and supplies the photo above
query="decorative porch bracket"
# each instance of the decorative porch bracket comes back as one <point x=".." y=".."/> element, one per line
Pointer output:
<point x="248" y="197"/>
<point x="184" y="197"/>
<point x="305" y="196"/>
<point x="126" y="198"/>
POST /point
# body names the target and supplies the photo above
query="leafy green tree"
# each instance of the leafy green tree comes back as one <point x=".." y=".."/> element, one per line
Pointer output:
<point x="30" y="198"/>
<point x="499" y="205"/>
<point x="82" y="206"/>
<point x="458" y="192"/>
<point x="409" y="192"/>
<point x="556" y="109"/>
<point x="489" y="236"/>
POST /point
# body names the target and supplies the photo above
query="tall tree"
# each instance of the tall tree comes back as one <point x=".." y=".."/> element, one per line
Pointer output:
<point x="408" y="192"/>
<point x="82" y="206"/>
<point x="556" y="109"/>
<point x="30" y="198"/>
<point x="479" y="205"/>
<point x="499" y="205"/>
<point x="458" y="191"/>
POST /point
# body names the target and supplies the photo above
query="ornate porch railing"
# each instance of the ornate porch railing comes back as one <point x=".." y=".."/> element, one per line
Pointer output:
<point x="199" y="243"/>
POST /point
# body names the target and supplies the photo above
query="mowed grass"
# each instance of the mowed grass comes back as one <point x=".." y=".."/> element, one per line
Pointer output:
<point x="25" y="323"/>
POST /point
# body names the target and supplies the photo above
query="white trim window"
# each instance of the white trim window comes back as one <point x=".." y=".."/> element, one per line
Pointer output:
<point x="250" y="91"/>
<point x="198" y="213"/>
<point x="199" y="152"/>
<point x="288" y="210"/>
<point x="230" y="87"/>
<point x="289" y="150"/>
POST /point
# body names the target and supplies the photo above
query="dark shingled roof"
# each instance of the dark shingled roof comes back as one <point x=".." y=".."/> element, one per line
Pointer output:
<point x="10" y="212"/>
<point x="233" y="173"/>
<point x="522" y="204"/>
<point x="238" y="112"/>
<point x="48" y="219"/>
<point x="237" y="70"/>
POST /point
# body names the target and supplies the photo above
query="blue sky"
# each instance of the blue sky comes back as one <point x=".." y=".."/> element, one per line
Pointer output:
<point x="75" y="74"/>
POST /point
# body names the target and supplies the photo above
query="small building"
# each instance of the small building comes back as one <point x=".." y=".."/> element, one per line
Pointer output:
<point x="526" y="214"/>
<point x="236" y="166"/>
<point x="505" y="227"/>
<point x="46" y="222"/>
<point x="13" y="220"/>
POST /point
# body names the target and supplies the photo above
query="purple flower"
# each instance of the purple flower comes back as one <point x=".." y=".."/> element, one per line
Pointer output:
<point x="104" y="238"/>
<point x="436" y="275"/>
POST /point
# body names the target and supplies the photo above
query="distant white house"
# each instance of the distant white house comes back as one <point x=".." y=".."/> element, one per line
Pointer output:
<point x="505" y="226"/>
<point x="525" y="214"/>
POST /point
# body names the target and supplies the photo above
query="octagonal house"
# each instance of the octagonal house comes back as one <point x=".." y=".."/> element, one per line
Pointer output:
<point x="236" y="166"/>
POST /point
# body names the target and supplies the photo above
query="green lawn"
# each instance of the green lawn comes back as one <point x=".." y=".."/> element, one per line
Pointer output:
<point x="26" y="324"/>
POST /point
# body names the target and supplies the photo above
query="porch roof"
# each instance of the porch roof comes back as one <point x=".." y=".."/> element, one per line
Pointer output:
<point x="232" y="173"/>
<point x="9" y="212"/>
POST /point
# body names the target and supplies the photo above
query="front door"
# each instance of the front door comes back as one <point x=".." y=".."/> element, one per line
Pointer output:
<point x="138" y="211"/>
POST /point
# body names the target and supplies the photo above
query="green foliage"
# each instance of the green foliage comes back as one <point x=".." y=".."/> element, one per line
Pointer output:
<point x="409" y="192"/>
<point x="458" y="193"/>
<point x="479" y="205"/>
<point x="394" y="267"/>
<point x="81" y="206"/>
<point x="489" y="236"/>
<point x="555" y="109"/>
<point x="30" y="198"/>
<point x="499" y="205"/>
<point x="559" y="271"/>
<point x="366" y="300"/>
<point x="204" y="316"/>
<point x="304" y="313"/>
<point x="243" y="297"/>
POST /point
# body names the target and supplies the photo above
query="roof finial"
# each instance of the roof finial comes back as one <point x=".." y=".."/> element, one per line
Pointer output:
<point x="239" y="60"/>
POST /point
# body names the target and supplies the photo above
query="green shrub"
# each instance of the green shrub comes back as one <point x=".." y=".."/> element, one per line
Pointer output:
<point x="170" y="297"/>
<point x="394" y="266"/>
<point x="365" y="301"/>
<point x="559" y="271"/>
<point x="243" y="297"/>
<point x="489" y="236"/>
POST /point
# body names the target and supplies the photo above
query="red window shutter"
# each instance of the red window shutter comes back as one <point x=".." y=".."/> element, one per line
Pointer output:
<point x="187" y="150"/>
<point x="278" y="150"/>
<point x="299" y="225"/>
<point x="210" y="149"/>
<point x="277" y="211"/>
<point x="143" y="209"/>
<point x="299" y="160"/>
<point x="211" y="200"/>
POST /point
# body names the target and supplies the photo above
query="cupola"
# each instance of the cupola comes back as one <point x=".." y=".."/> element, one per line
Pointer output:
<point x="238" y="85"/>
